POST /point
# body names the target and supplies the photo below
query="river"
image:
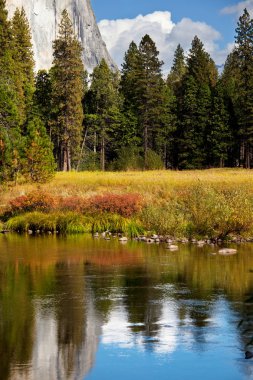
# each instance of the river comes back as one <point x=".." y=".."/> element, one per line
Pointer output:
<point x="82" y="308"/>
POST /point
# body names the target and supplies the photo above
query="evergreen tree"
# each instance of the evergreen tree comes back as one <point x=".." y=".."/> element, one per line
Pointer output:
<point x="38" y="163"/>
<point x="10" y="88"/>
<point x="219" y="135"/>
<point x="67" y="92"/>
<point x="43" y="97"/>
<point x="149" y="93"/>
<point x="178" y="70"/>
<point x="105" y="104"/>
<point x="174" y="83"/>
<point x="23" y="57"/>
<point x="230" y="80"/>
<point x="200" y="65"/>
<point x="195" y="109"/>
<point x="244" y="49"/>
<point x="131" y="133"/>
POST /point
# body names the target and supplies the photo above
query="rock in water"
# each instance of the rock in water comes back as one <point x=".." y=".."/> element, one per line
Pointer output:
<point x="248" y="355"/>
<point x="227" y="251"/>
<point x="44" y="17"/>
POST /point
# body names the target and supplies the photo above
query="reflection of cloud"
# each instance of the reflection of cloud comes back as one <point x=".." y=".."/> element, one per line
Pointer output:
<point x="239" y="7"/>
<point x="167" y="335"/>
<point x="117" y="331"/>
<point x="118" y="34"/>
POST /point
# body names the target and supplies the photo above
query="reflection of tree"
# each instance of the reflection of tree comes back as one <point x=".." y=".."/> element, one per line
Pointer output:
<point x="142" y="300"/>
<point x="54" y="305"/>
<point x="70" y="313"/>
<point x="16" y="318"/>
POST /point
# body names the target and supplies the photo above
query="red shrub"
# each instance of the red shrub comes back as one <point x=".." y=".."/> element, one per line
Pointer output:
<point x="73" y="203"/>
<point x="34" y="201"/>
<point x="123" y="204"/>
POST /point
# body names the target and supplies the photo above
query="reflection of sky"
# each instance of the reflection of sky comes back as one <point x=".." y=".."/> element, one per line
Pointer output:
<point x="180" y="348"/>
<point x="173" y="348"/>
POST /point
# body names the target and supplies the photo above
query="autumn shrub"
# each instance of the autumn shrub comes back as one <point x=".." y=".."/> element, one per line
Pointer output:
<point x="34" y="201"/>
<point x="73" y="203"/>
<point x="123" y="204"/>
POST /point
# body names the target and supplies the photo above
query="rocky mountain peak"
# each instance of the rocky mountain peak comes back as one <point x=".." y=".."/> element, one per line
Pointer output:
<point x="44" y="17"/>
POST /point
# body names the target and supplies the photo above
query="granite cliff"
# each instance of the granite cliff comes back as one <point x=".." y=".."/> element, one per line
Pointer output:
<point x="44" y="17"/>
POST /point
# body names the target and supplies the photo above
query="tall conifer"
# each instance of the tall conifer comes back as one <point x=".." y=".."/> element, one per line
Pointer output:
<point x="244" y="49"/>
<point x="10" y="88"/>
<point x="105" y="104"/>
<point x="149" y="93"/>
<point x="67" y="93"/>
<point x="23" y="57"/>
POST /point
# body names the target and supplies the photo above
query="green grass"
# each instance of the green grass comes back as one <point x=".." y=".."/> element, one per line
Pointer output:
<point x="72" y="223"/>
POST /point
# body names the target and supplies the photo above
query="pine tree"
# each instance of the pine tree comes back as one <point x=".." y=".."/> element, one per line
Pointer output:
<point x="38" y="163"/>
<point x="178" y="70"/>
<point x="174" y="83"/>
<point x="200" y="65"/>
<point x="195" y="108"/>
<point x="105" y="102"/>
<point x="131" y="134"/>
<point x="229" y="82"/>
<point x="244" y="49"/>
<point x="67" y="92"/>
<point x="149" y="93"/>
<point x="219" y="135"/>
<point x="43" y="97"/>
<point x="23" y="56"/>
<point x="10" y="87"/>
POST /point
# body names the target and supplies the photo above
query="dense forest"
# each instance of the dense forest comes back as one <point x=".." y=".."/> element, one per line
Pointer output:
<point x="64" y="119"/>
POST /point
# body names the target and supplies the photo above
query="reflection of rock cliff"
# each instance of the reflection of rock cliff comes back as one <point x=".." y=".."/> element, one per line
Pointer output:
<point x="52" y="360"/>
<point x="44" y="17"/>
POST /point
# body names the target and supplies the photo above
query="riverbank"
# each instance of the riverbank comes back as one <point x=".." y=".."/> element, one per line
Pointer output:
<point x="210" y="204"/>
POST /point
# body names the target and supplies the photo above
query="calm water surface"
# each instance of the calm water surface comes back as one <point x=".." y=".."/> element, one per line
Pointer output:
<point x="78" y="308"/>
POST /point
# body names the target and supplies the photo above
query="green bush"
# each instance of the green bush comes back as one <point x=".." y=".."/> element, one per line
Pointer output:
<point x="153" y="161"/>
<point x="129" y="158"/>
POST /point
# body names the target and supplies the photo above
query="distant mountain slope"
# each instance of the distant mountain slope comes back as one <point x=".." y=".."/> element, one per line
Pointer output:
<point x="44" y="17"/>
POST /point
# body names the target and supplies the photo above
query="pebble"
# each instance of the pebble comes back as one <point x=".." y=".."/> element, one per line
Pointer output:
<point x="227" y="251"/>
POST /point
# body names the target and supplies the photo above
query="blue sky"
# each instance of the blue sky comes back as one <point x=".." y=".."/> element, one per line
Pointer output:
<point x="169" y="22"/>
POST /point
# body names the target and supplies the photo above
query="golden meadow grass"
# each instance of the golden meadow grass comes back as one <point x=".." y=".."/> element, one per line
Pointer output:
<point x="213" y="203"/>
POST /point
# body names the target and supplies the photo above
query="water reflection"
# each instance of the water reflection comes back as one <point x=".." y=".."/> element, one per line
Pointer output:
<point x="62" y="301"/>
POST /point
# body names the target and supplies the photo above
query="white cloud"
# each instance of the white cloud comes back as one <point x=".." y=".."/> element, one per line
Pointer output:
<point x="239" y="7"/>
<point x="118" y="34"/>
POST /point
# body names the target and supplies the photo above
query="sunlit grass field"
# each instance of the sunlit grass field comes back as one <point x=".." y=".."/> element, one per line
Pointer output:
<point x="150" y="184"/>
<point x="212" y="203"/>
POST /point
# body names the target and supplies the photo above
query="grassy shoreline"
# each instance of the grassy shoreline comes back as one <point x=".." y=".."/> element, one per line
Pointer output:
<point x="211" y="204"/>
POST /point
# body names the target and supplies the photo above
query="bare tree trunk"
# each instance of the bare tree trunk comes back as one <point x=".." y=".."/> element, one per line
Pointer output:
<point x="66" y="158"/>
<point x="103" y="152"/>
<point x="95" y="143"/>
<point x="145" y="146"/>
<point x="247" y="156"/>
<point x="82" y="149"/>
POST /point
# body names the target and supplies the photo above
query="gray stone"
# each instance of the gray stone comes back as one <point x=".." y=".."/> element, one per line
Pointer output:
<point x="123" y="238"/>
<point x="44" y="17"/>
<point x="227" y="251"/>
<point x="172" y="247"/>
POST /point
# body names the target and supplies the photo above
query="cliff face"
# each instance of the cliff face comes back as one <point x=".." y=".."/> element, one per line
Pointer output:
<point x="44" y="17"/>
